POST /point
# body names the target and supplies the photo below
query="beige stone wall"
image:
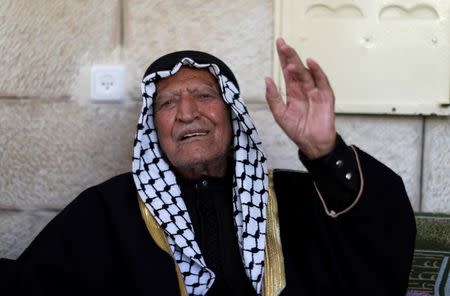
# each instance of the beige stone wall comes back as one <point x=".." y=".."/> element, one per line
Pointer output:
<point x="54" y="142"/>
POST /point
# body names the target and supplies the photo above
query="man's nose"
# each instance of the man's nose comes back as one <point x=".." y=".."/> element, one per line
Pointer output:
<point x="187" y="109"/>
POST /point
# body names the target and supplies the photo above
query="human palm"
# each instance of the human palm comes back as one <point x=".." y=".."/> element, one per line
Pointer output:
<point x="307" y="117"/>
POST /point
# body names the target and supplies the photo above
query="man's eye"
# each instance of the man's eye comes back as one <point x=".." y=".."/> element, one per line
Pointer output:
<point x="165" y="104"/>
<point x="168" y="103"/>
<point x="206" y="96"/>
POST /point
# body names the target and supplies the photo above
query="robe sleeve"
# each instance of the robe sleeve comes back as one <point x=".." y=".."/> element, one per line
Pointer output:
<point x="337" y="178"/>
<point x="365" y="250"/>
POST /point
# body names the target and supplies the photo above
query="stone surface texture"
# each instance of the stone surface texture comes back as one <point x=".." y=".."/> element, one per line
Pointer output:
<point x="436" y="170"/>
<point x="42" y="43"/>
<point x="51" y="151"/>
<point x="239" y="32"/>
<point x="395" y="141"/>
<point x="19" y="228"/>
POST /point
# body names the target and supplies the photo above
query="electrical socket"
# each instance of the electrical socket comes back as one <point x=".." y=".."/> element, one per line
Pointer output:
<point x="107" y="83"/>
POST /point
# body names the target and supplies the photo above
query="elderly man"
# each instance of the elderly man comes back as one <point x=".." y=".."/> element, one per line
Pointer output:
<point x="200" y="214"/>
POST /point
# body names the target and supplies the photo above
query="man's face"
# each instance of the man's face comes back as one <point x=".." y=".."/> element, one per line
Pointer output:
<point x="192" y="120"/>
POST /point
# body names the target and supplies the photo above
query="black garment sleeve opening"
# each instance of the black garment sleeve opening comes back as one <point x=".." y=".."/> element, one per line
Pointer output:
<point x="336" y="175"/>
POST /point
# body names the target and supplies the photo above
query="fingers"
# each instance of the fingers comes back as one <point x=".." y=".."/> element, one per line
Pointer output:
<point x="321" y="81"/>
<point x="292" y="66"/>
<point x="274" y="100"/>
<point x="287" y="54"/>
<point x="319" y="76"/>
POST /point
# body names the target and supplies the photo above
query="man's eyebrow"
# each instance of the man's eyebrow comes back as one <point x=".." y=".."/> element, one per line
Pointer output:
<point x="168" y="92"/>
<point x="203" y="87"/>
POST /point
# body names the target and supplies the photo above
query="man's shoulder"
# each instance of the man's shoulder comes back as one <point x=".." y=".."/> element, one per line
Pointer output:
<point x="112" y="191"/>
<point x="118" y="184"/>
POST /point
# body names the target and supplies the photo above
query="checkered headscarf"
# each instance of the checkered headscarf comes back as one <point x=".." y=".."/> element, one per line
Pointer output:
<point x="158" y="188"/>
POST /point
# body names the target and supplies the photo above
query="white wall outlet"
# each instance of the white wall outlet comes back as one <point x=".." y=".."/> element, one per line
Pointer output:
<point x="107" y="83"/>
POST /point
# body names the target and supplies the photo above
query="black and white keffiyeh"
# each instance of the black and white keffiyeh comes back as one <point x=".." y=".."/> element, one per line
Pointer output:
<point x="157" y="186"/>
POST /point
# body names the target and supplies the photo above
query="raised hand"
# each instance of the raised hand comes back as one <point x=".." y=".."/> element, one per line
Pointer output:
<point x="307" y="116"/>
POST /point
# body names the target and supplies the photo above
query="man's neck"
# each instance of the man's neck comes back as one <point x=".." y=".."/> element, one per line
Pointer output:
<point x="215" y="169"/>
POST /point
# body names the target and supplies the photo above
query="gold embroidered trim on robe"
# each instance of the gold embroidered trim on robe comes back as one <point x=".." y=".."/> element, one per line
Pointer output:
<point x="157" y="234"/>
<point x="274" y="277"/>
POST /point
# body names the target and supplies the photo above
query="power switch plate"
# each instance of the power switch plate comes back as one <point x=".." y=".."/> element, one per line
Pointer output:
<point x="107" y="82"/>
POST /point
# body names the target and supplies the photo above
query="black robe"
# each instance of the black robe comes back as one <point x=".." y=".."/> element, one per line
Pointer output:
<point x="99" y="244"/>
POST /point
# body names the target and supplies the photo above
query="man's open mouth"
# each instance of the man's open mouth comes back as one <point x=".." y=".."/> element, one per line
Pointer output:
<point x="191" y="135"/>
